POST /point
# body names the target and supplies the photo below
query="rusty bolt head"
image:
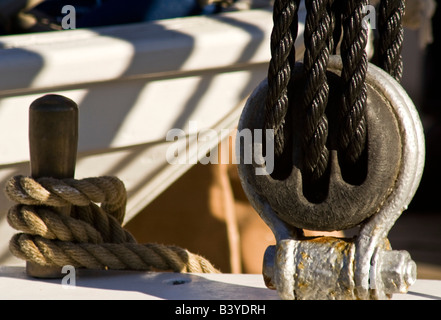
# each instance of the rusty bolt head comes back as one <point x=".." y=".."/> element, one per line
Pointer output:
<point x="398" y="271"/>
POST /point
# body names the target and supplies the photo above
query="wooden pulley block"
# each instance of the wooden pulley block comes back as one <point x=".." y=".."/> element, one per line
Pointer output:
<point x="372" y="195"/>
<point x="348" y="197"/>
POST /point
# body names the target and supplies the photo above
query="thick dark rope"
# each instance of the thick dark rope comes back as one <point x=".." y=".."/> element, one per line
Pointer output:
<point x="324" y="22"/>
<point x="283" y="36"/>
<point x="391" y="36"/>
<point x="318" y="37"/>
<point x="353" y="126"/>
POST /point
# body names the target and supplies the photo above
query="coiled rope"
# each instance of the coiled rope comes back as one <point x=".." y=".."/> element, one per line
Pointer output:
<point x="91" y="236"/>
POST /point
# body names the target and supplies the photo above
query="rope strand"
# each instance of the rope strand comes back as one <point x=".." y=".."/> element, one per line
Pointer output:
<point x="390" y="29"/>
<point x="353" y="129"/>
<point x="283" y="36"/>
<point x="318" y="37"/>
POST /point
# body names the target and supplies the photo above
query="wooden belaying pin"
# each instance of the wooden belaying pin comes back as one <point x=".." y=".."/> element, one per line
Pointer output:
<point x="53" y="140"/>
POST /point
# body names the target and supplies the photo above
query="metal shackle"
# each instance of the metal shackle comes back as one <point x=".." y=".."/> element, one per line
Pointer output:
<point x="330" y="262"/>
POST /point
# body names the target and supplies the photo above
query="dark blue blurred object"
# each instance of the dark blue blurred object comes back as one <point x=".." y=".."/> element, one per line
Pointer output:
<point x="93" y="13"/>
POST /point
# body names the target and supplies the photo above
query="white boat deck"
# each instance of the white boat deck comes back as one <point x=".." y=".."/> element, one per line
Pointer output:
<point x="134" y="285"/>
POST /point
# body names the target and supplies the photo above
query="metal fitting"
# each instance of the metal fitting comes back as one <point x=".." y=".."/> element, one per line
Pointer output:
<point x="329" y="268"/>
<point x="295" y="268"/>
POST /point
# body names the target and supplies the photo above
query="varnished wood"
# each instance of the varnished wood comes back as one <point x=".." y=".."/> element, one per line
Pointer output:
<point x="53" y="141"/>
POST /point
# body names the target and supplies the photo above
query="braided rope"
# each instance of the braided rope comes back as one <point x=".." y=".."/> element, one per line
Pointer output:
<point x="325" y="19"/>
<point x="391" y="37"/>
<point x="283" y="36"/>
<point x="353" y="129"/>
<point x="318" y="37"/>
<point x="322" y="28"/>
<point x="90" y="236"/>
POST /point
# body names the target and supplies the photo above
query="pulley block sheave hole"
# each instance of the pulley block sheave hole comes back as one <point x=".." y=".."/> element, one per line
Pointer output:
<point x="345" y="196"/>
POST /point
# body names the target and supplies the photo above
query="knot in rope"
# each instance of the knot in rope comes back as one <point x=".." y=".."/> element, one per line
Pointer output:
<point x="90" y="236"/>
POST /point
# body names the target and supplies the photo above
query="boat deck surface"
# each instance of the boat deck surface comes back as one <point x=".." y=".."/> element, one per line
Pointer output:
<point x="133" y="285"/>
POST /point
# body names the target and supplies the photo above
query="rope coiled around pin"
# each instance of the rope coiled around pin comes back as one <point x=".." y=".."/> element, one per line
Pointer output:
<point x="91" y="236"/>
